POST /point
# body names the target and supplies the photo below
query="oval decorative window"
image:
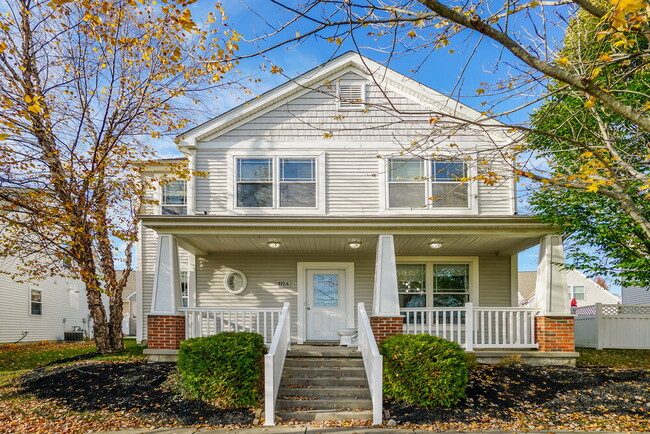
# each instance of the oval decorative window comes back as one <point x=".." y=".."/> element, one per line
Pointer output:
<point x="235" y="282"/>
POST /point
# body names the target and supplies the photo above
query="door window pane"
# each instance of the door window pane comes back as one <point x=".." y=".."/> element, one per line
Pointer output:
<point x="326" y="290"/>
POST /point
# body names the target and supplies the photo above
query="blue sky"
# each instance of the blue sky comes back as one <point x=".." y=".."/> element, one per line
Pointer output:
<point x="459" y="74"/>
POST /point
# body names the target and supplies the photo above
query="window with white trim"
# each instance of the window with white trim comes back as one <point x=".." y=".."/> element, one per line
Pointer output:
<point x="438" y="184"/>
<point x="431" y="284"/>
<point x="174" y="198"/>
<point x="577" y="292"/>
<point x="276" y="182"/>
<point x="185" y="288"/>
<point x="35" y="302"/>
<point x="351" y="96"/>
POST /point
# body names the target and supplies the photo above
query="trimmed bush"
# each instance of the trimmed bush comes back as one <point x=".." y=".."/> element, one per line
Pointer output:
<point x="226" y="369"/>
<point x="424" y="370"/>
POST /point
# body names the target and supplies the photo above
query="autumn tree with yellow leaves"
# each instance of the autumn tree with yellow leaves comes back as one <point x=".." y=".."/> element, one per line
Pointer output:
<point x="536" y="59"/>
<point x="83" y="84"/>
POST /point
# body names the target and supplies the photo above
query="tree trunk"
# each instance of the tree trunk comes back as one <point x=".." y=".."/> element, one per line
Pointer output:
<point x="115" y="320"/>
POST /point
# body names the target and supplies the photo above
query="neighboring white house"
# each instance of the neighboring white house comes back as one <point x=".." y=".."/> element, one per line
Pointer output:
<point x="129" y="304"/>
<point x="319" y="195"/>
<point x="586" y="291"/>
<point x="41" y="310"/>
<point x="636" y="295"/>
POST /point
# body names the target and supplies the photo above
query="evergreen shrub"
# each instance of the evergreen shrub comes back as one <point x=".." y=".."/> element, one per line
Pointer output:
<point x="226" y="369"/>
<point x="424" y="370"/>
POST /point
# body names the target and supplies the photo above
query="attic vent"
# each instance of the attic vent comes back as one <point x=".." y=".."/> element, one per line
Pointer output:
<point x="352" y="96"/>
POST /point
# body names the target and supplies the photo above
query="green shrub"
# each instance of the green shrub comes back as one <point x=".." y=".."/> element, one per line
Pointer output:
<point x="226" y="369"/>
<point x="424" y="370"/>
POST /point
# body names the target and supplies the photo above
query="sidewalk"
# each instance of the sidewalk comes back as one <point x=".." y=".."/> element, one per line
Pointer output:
<point x="317" y="430"/>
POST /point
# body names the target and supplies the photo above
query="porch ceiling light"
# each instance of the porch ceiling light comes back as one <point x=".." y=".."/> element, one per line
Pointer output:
<point x="274" y="244"/>
<point x="354" y="244"/>
<point x="435" y="244"/>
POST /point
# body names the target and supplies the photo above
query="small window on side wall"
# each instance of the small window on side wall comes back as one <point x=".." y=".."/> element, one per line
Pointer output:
<point x="174" y="198"/>
<point x="185" y="288"/>
<point x="577" y="292"/>
<point x="35" y="302"/>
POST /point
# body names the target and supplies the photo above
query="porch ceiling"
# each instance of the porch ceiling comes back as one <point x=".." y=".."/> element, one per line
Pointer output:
<point x="205" y="235"/>
<point x="338" y="245"/>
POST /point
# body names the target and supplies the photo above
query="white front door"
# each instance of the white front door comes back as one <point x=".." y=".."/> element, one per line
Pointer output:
<point x="326" y="303"/>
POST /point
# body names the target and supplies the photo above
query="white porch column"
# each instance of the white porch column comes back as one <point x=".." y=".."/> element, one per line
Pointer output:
<point x="386" y="299"/>
<point x="551" y="293"/>
<point x="166" y="284"/>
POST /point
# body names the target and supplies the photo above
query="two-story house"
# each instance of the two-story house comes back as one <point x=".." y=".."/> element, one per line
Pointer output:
<point x="334" y="189"/>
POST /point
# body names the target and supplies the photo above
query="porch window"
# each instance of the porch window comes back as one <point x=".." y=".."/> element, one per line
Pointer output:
<point x="35" y="302"/>
<point x="174" y="198"/>
<point x="185" y="288"/>
<point x="577" y="292"/>
<point x="433" y="284"/>
<point x="414" y="183"/>
<point x="276" y="182"/>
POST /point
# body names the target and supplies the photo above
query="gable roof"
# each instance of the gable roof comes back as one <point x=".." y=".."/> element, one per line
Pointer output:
<point x="327" y="72"/>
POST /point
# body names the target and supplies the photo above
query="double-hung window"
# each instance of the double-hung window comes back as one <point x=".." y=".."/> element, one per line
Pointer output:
<point x="577" y="292"/>
<point x="185" y="288"/>
<point x="431" y="284"/>
<point x="35" y="302"/>
<point x="174" y="198"/>
<point x="416" y="183"/>
<point x="276" y="182"/>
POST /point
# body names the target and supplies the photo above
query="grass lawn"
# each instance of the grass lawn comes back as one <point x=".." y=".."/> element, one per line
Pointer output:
<point x="625" y="359"/>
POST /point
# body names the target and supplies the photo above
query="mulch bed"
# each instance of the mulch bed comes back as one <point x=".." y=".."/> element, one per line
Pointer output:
<point x="135" y="388"/>
<point x="520" y="397"/>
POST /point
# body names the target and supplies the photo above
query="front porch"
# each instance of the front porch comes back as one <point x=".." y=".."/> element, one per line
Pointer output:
<point x="356" y="261"/>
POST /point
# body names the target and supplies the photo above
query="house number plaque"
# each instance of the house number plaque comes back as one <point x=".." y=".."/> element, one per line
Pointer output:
<point x="283" y="283"/>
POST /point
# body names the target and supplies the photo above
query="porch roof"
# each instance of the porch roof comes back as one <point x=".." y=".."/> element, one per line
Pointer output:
<point x="250" y="234"/>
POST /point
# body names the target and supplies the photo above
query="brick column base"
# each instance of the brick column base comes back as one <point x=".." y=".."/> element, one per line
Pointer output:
<point x="165" y="332"/>
<point x="555" y="333"/>
<point x="386" y="326"/>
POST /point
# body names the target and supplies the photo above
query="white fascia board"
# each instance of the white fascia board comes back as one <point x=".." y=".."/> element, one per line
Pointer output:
<point x="349" y="62"/>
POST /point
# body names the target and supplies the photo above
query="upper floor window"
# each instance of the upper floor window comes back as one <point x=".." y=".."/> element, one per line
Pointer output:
<point x="577" y="292"/>
<point x="35" y="302"/>
<point x="174" y="198"/>
<point x="427" y="184"/>
<point x="276" y="182"/>
<point x="351" y="96"/>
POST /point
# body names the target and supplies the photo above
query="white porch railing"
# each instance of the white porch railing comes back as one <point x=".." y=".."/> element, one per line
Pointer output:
<point x="623" y="326"/>
<point x="372" y="362"/>
<point x="475" y="327"/>
<point x="274" y="363"/>
<point x="208" y="321"/>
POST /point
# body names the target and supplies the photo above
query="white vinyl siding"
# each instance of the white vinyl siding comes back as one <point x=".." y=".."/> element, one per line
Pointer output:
<point x="636" y="295"/>
<point x="61" y="299"/>
<point x="353" y="173"/>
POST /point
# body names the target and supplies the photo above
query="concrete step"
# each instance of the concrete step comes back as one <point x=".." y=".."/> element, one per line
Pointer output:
<point x="326" y="392"/>
<point x="319" y="362"/>
<point x="294" y="372"/>
<point x="324" y="404"/>
<point x="319" y="381"/>
<point x="324" y="415"/>
<point x="323" y="351"/>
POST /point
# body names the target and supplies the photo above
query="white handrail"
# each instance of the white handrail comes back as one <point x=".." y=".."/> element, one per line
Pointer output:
<point x="274" y="363"/>
<point x="372" y="362"/>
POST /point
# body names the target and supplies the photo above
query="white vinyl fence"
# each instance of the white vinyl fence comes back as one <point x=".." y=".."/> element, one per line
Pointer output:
<point x="622" y="326"/>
